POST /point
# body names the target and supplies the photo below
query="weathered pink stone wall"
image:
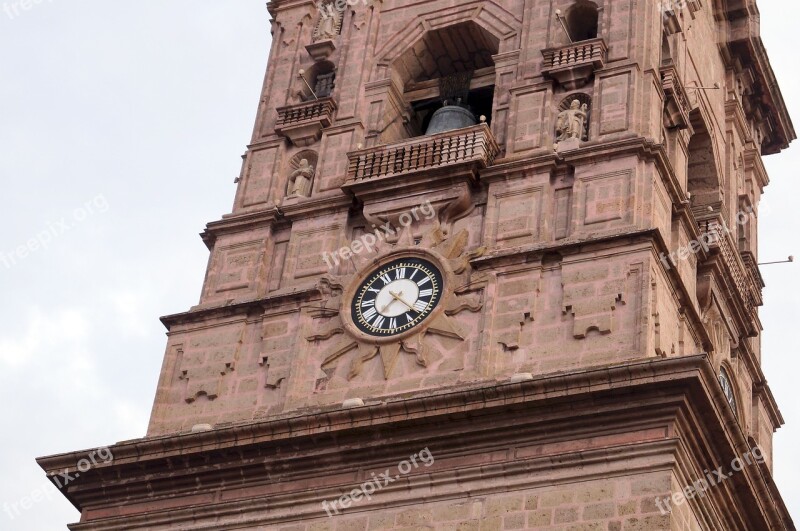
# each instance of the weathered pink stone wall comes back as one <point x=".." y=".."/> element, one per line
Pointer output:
<point x="563" y="255"/>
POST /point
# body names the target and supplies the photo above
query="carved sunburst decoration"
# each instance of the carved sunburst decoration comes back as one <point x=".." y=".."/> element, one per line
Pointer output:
<point x="450" y="256"/>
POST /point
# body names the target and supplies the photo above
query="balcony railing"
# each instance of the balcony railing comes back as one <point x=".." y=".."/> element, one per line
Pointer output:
<point x="677" y="106"/>
<point x="751" y="265"/>
<point x="471" y="146"/>
<point x="742" y="279"/>
<point x="573" y="65"/>
<point x="303" y="123"/>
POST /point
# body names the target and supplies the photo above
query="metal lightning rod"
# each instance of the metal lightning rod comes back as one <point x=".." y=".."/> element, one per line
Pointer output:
<point x="563" y="25"/>
<point x="301" y="75"/>
<point x="787" y="261"/>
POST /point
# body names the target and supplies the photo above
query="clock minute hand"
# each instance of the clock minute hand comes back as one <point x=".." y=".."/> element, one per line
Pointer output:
<point x="399" y="298"/>
<point x="394" y="298"/>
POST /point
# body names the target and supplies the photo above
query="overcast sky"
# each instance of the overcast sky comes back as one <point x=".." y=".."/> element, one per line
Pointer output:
<point x="121" y="130"/>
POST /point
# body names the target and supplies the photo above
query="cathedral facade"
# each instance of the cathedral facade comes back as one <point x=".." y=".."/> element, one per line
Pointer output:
<point x="490" y="265"/>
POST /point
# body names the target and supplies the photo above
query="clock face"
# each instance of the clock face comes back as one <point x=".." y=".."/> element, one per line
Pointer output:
<point x="397" y="297"/>
<point x="727" y="388"/>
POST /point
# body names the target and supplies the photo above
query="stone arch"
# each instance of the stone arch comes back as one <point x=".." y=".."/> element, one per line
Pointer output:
<point x="452" y="65"/>
<point x="666" y="50"/>
<point x="395" y="119"/>
<point x="321" y="76"/>
<point x="493" y="19"/>
<point x="583" y="20"/>
<point x="309" y="154"/>
<point x="704" y="179"/>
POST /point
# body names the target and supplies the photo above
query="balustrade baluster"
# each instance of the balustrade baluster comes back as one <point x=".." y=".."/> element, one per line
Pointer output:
<point x="373" y="161"/>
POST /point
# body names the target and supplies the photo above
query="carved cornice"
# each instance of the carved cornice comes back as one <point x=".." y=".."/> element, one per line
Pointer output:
<point x="736" y="116"/>
<point x="278" y="299"/>
<point x="166" y="475"/>
<point x="316" y="205"/>
<point x="753" y="163"/>
<point x="745" y="45"/>
<point x="233" y="223"/>
<point x="591" y="151"/>
<point x="276" y="6"/>
<point x="763" y="391"/>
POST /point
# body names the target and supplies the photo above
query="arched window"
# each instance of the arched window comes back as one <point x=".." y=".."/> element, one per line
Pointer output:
<point x="704" y="180"/>
<point x="582" y="20"/>
<point x="666" y="51"/>
<point x="321" y="78"/>
<point x="451" y="66"/>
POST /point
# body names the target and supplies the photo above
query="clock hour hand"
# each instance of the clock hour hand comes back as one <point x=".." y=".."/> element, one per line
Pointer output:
<point x="399" y="297"/>
<point x="394" y="298"/>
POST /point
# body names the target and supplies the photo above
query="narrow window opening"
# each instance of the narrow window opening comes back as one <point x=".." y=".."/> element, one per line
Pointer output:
<point x="582" y="21"/>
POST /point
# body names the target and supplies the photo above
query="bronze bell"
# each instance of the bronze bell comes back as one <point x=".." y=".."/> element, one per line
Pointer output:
<point x="450" y="117"/>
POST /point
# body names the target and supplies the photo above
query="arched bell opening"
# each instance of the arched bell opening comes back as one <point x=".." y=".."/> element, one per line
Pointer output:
<point x="320" y="78"/>
<point x="704" y="179"/>
<point x="447" y="79"/>
<point x="582" y="20"/>
<point x="666" y="51"/>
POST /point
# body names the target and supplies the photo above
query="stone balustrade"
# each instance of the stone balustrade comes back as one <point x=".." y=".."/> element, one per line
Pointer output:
<point x="677" y="106"/>
<point x="743" y="281"/>
<point x="471" y="146"/>
<point x="302" y="124"/>
<point x="572" y="65"/>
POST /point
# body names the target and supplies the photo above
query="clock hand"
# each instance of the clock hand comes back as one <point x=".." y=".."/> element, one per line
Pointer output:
<point x="394" y="298"/>
<point x="399" y="298"/>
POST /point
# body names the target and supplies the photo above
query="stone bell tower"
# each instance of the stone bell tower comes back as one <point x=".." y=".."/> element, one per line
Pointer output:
<point x="500" y="254"/>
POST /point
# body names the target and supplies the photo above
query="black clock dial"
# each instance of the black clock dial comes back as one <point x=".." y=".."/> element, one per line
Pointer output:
<point x="727" y="388"/>
<point x="397" y="297"/>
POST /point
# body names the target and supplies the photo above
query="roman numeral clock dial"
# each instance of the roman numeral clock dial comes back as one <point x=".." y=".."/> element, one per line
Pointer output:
<point x="397" y="297"/>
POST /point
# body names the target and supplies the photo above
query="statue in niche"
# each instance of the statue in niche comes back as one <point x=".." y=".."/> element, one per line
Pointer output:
<point x="572" y="122"/>
<point x="300" y="180"/>
<point x="329" y="23"/>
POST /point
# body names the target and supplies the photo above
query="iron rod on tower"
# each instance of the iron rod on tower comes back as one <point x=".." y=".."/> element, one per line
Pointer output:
<point x="563" y="25"/>
<point x="301" y="75"/>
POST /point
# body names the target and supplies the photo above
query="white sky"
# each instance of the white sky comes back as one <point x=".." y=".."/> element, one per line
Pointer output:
<point x="140" y="110"/>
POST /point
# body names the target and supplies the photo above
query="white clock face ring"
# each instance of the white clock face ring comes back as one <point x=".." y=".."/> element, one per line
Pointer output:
<point x="396" y="297"/>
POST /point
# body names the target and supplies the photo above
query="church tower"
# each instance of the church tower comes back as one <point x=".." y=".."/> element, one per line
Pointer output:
<point x="491" y="264"/>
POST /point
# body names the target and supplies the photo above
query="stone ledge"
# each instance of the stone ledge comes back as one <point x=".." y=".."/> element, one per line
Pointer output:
<point x="180" y="478"/>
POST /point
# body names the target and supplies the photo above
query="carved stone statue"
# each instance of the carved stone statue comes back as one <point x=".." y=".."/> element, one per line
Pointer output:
<point x="330" y="19"/>
<point x="300" y="180"/>
<point x="571" y="122"/>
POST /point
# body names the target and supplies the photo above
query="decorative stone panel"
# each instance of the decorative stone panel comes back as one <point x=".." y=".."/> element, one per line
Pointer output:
<point x="207" y="357"/>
